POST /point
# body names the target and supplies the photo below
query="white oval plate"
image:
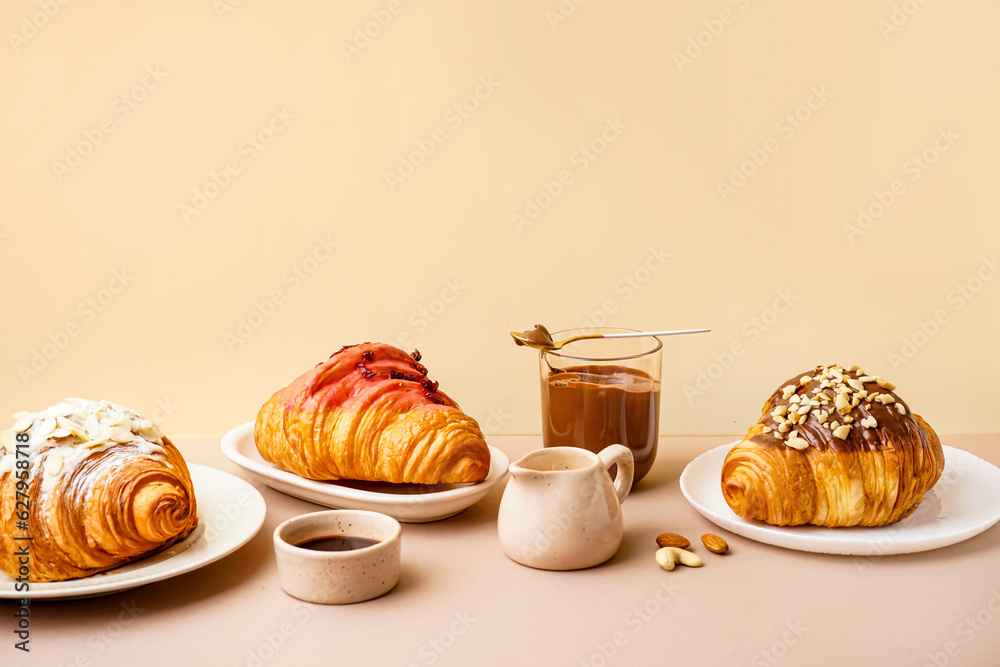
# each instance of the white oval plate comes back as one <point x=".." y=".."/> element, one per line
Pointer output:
<point x="963" y="503"/>
<point x="230" y="512"/>
<point x="409" y="503"/>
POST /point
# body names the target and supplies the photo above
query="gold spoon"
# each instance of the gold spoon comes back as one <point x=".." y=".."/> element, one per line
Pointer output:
<point x="539" y="338"/>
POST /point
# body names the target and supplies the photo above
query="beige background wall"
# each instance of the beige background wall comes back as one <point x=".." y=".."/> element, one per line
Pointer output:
<point x="203" y="199"/>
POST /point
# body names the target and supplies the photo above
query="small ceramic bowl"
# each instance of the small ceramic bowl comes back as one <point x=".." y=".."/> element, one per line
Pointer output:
<point x="338" y="577"/>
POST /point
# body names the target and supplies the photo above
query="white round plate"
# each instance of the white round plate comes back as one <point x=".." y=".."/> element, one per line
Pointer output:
<point x="230" y="512"/>
<point x="409" y="503"/>
<point x="963" y="503"/>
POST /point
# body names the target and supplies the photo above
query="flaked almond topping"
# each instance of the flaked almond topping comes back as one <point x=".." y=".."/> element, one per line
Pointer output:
<point x="821" y="416"/>
<point x="901" y="408"/>
<point x="766" y="429"/>
<point x="867" y="378"/>
<point x="794" y="399"/>
<point x="805" y="378"/>
<point x="885" y="384"/>
<point x="848" y="419"/>
<point x="834" y="424"/>
<point x="787" y="391"/>
<point x="783" y="427"/>
<point x="855" y="367"/>
<point x="95" y="443"/>
<point x="779" y="410"/>
<point x="885" y="399"/>
<point x="53" y="463"/>
<point x="856" y="384"/>
<point x="842" y="432"/>
<point x="869" y="422"/>
<point x="842" y="403"/>
<point x="120" y="434"/>
<point x="23" y="423"/>
<point x="855" y="402"/>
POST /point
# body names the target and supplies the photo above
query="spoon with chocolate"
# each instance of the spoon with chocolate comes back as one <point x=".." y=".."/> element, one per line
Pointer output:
<point x="539" y="338"/>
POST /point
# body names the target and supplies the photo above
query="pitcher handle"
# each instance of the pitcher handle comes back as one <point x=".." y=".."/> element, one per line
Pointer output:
<point x="621" y="455"/>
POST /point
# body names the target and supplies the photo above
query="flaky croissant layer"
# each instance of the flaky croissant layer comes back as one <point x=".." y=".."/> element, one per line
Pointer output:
<point x="370" y="413"/>
<point x="833" y="447"/>
<point x="86" y="487"/>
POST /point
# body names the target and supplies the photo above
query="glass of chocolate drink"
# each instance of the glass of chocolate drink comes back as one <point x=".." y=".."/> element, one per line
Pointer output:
<point x="603" y="391"/>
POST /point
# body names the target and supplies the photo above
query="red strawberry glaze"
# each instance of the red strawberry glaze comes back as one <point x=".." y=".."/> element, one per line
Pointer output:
<point x="362" y="372"/>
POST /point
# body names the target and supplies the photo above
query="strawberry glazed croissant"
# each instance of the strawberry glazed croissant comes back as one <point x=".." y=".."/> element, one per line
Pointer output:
<point x="370" y="413"/>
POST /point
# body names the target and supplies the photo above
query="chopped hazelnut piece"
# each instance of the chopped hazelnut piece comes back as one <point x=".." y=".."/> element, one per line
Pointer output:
<point x="797" y="443"/>
<point x="842" y="432"/>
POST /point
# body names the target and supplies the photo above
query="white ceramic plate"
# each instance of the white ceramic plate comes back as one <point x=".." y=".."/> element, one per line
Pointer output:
<point x="230" y="512"/>
<point x="409" y="503"/>
<point x="964" y="503"/>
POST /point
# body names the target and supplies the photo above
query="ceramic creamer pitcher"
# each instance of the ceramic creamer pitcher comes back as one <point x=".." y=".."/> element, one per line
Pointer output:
<point x="561" y="511"/>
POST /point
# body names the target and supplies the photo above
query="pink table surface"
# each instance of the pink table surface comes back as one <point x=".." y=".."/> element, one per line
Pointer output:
<point x="461" y="601"/>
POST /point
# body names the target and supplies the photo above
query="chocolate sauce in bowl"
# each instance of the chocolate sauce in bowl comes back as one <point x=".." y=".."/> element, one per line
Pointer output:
<point x="337" y="543"/>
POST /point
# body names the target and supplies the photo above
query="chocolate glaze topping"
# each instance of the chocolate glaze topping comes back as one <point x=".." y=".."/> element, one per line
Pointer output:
<point x="837" y="408"/>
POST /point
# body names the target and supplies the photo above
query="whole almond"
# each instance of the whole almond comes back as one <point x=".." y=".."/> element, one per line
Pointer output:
<point x="714" y="543"/>
<point x="672" y="540"/>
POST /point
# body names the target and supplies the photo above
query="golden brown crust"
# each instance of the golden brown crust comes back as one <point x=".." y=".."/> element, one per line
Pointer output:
<point x="107" y="503"/>
<point x="370" y="413"/>
<point x="856" y="456"/>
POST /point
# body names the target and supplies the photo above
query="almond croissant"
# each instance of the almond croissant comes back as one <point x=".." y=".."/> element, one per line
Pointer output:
<point x="94" y="486"/>
<point x="833" y="447"/>
<point x="370" y="413"/>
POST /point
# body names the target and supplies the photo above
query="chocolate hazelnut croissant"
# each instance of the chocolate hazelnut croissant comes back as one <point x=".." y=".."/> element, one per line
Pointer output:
<point x="370" y="413"/>
<point x="86" y="487"/>
<point x="833" y="447"/>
